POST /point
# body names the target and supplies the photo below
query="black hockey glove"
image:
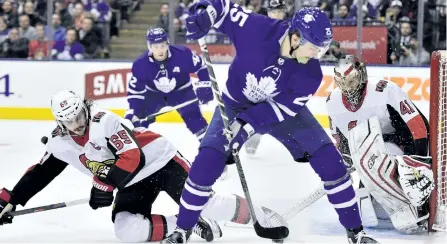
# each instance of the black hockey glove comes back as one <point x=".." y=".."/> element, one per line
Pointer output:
<point x="6" y="206"/>
<point x="101" y="194"/>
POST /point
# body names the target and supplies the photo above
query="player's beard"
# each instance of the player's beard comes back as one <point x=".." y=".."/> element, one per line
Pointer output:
<point x="78" y="126"/>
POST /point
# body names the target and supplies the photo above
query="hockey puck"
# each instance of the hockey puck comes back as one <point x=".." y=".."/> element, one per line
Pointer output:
<point x="44" y="140"/>
<point x="278" y="241"/>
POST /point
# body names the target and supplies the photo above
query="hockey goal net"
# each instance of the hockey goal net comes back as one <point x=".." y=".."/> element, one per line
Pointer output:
<point x="438" y="140"/>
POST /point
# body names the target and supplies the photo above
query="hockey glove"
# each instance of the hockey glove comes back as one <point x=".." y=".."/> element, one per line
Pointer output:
<point x="6" y="206"/>
<point x="200" y="20"/>
<point x="137" y="122"/>
<point x="416" y="178"/>
<point x="101" y="194"/>
<point x="241" y="132"/>
<point x="204" y="91"/>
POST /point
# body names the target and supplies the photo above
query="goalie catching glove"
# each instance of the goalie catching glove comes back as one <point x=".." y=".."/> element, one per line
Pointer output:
<point x="416" y="178"/>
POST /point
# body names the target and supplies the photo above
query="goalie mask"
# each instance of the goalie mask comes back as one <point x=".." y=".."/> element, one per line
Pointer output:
<point x="351" y="77"/>
<point x="70" y="111"/>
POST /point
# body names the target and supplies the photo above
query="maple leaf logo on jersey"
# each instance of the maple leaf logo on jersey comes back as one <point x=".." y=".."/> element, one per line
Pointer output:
<point x="258" y="91"/>
<point x="165" y="84"/>
<point x="97" y="168"/>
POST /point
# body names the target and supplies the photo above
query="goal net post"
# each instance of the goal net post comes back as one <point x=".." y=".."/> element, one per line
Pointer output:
<point x="438" y="140"/>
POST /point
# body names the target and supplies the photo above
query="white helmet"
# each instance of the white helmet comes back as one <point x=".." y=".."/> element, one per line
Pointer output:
<point x="66" y="105"/>
<point x="351" y="77"/>
<point x="70" y="111"/>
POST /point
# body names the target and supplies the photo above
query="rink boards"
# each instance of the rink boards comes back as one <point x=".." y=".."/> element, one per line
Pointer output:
<point x="26" y="87"/>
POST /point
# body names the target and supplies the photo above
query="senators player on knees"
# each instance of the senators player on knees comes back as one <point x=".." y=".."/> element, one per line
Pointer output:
<point x="134" y="161"/>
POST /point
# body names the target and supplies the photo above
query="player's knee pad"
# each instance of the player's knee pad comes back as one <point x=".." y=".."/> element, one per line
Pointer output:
<point x="137" y="228"/>
<point x="132" y="227"/>
<point x="328" y="164"/>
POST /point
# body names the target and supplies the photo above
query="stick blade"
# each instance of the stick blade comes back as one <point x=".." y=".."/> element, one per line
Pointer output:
<point x="274" y="233"/>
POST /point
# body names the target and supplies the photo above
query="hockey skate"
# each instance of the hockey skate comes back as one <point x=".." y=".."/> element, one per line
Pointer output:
<point x="207" y="229"/>
<point x="178" y="236"/>
<point x="358" y="236"/>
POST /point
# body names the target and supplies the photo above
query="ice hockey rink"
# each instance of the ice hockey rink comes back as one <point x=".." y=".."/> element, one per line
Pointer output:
<point x="274" y="180"/>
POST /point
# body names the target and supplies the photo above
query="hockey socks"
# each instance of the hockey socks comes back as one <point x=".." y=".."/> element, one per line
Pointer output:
<point x="328" y="164"/>
<point x="207" y="167"/>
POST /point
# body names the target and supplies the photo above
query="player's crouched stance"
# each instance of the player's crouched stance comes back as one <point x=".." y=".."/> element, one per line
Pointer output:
<point x="137" y="163"/>
<point x="384" y="135"/>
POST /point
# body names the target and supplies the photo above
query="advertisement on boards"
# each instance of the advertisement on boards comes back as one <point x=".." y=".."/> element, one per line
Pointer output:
<point x="28" y="93"/>
<point x="374" y="42"/>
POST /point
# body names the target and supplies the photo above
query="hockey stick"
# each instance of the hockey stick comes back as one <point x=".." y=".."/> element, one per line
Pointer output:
<point x="302" y="204"/>
<point x="181" y="105"/>
<point x="309" y="200"/>
<point x="274" y="233"/>
<point x="49" y="207"/>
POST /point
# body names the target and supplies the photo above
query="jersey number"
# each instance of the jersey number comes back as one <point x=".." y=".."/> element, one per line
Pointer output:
<point x="405" y="108"/>
<point x="238" y="16"/>
<point x="120" y="139"/>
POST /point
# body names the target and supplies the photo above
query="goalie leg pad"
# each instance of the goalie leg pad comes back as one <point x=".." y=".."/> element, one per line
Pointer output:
<point x="377" y="171"/>
<point x="367" y="211"/>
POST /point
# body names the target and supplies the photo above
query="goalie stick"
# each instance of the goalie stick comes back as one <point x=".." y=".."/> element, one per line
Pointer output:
<point x="307" y="201"/>
<point x="299" y="206"/>
<point x="274" y="233"/>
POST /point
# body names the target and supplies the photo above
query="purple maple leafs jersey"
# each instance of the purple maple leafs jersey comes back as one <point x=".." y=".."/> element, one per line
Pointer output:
<point x="259" y="75"/>
<point x="170" y="75"/>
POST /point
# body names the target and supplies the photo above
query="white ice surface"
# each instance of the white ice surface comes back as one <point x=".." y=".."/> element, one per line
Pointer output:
<point x="273" y="178"/>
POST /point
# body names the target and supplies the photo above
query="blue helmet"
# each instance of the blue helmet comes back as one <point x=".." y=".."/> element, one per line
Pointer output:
<point x="156" y="35"/>
<point x="313" y="26"/>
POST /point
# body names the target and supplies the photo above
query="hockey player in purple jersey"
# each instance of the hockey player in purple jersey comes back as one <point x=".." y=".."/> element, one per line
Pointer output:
<point x="274" y="73"/>
<point x="161" y="78"/>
